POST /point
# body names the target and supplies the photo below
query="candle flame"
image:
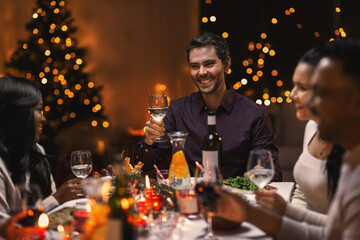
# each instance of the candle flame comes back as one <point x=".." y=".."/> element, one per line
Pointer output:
<point x="125" y="204"/>
<point x="43" y="221"/>
<point x="147" y="182"/>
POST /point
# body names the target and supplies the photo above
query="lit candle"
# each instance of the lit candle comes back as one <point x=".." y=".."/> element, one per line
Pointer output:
<point x="149" y="191"/>
<point x="43" y="223"/>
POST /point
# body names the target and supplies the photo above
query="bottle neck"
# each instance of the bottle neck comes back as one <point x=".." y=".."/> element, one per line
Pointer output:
<point x="212" y="123"/>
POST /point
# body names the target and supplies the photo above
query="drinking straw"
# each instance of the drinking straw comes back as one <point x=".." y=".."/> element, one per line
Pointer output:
<point x="199" y="166"/>
<point x="158" y="171"/>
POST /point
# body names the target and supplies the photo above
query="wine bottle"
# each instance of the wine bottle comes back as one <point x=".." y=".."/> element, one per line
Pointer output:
<point x="121" y="204"/>
<point x="211" y="152"/>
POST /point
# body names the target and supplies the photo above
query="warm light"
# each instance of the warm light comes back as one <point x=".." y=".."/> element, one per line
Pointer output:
<point x="94" y="123"/>
<point x="287" y="93"/>
<point x="245" y="63"/>
<point x="63" y="82"/>
<point x="56" y="91"/>
<point x="212" y="19"/>
<point x="91" y="84"/>
<point x="266" y="96"/>
<point x="49" y="60"/>
<point x="105" y="189"/>
<point x="331" y="40"/>
<point x="244" y="81"/>
<point x="279" y="99"/>
<point x="72" y="54"/>
<point x="106" y="124"/>
<point x="28" y="75"/>
<point x="44" y="81"/>
<point x="47" y="69"/>
<point x="299" y="26"/>
<point x="255" y="78"/>
<point x="225" y="35"/>
<point x="288" y="100"/>
<point x="61" y="77"/>
<point x="35" y="15"/>
<point x="208" y="1"/>
<point x="53" y="3"/>
<point x="67" y="91"/>
<point x="341" y="29"/>
<point x="228" y="71"/>
<point x="249" y="71"/>
<point x="147" y="182"/>
<point x="98" y="107"/>
<point x="57" y="40"/>
<point x="251" y="46"/>
<point x="259" y="73"/>
<point x="271" y="52"/>
<point x="95" y="99"/>
<point x="86" y="101"/>
<point x="162" y="87"/>
<point x="67" y="56"/>
<point x="337" y="32"/>
<point x="25" y="46"/>
<point x="76" y="67"/>
<point x="39" y="10"/>
<point x="337" y="9"/>
<point x="60" y="228"/>
<point x="60" y="101"/>
<point x="43" y="14"/>
<point x="35" y="31"/>
<point x="258" y="45"/>
<point x="79" y="61"/>
<point x="292" y="10"/>
<point x="204" y="19"/>
<point x="56" y="10"/>
<point x="52" y="26"/>
<point x="267" y="102"/>
<point x="279" y="83"/>
<point x="88" y="207"/>
<point x="55" y="71"/>
<point x="62" y="3"/>
<point x="287" y="12"/>
<point x="43" y="221"/>
<point x="273" y="99"/>
<point x="77" y="86"/>
<point x="343" y="34"/>
<point x="64" y="118"/>
<point x="260" y="61"/>
<point x="41" y="41"/>
<point x="125" y="203"/>
<point x="68" y="44"/>
<point x="47" y="108"/>
<point x="263" y="35"/>
<point x="237" y="85"/>
<point x="64" y="28"/>
<point x="274" y="73"/>
<point x="94" y="109"/>
<point x="274" y="21"/>
<point x="41" y="74"/>
<point x="51" y="30"/>
<point x="47" y="53"/>
<point x="258" y="101"/>
<point x="265" y="50"/>
<point x="317" y="34"/>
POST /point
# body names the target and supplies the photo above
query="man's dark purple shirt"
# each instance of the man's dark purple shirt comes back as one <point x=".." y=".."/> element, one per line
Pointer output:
<point x="241" y="124"/>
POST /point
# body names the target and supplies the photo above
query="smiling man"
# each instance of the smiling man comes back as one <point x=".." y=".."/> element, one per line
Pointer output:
<point x="242" y="124"/>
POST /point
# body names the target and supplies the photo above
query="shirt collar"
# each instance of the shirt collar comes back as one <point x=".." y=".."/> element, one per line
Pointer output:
<point x="227" y="104"/>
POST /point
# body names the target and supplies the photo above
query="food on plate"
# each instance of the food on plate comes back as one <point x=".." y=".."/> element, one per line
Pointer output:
<point x="62" y="217"/>
<point x="242" y="183"/>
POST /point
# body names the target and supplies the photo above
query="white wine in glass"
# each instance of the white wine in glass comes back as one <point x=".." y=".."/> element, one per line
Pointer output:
<point x="260" y="167"/>
<point x="81" y="163"/>
<point x="157" y="108"/>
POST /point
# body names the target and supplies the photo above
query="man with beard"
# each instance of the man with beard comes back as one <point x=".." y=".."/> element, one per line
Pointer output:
<point x="241" y="124"/>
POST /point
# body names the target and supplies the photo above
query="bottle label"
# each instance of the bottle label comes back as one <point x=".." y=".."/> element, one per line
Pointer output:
<point x="114" y="229"/>
<point x="210" y="163"/>
<point x="211" y="120"/>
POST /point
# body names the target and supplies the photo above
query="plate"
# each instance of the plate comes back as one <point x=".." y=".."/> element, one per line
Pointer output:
<point x="237" y="190"/>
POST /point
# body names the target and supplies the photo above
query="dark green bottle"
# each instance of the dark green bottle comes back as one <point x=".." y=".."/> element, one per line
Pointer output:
<point x="121" y="204"/>
<point x="211" y="152"/>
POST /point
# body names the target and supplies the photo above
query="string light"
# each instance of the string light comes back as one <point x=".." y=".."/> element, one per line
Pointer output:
<point x="337" y="9"/>
<point x="212" y="19"/>
<point x="225" y="35"/>
<point x="274" y="21"/>
<point x="106" y="124"/>
<point x="204" y="19"/>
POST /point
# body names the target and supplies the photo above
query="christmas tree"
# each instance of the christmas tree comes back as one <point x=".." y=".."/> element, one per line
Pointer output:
<point x="51" y="59"/>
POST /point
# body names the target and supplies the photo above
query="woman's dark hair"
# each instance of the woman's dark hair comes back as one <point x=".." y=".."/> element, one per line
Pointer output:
<point x="313" y="56"/>
<point x="18" y="148"/>
<point x="208" y="38"/>
<point x="332" y="167"/>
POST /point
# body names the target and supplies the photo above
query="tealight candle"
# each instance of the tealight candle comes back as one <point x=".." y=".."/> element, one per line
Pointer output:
<point x="149" y="190"/>
<point x="43" y="223"/>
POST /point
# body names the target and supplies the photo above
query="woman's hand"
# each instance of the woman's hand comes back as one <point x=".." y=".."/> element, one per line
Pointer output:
<point x="270" y="200"/>
<point x="69" y="190"/>
<point x="153" y="129"/>
<point x="230" y="206"/>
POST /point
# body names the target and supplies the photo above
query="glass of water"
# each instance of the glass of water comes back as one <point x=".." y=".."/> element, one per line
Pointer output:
<point x="81" y="163"/>
<point x="157" y="108"/>
<point x="260" y="167"/>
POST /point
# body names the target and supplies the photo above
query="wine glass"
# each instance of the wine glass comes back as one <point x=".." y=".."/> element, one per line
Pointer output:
<point x="260" y="167"/>
<point x="207" y="196"/>
<point x="81" y="163"/>
<point x="157" y="108"/>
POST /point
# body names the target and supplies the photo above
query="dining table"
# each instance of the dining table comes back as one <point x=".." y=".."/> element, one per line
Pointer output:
<point x="195" y="227"/>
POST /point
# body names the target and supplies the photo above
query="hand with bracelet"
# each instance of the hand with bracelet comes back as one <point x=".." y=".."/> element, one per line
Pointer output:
<point x="153" y="129"/>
